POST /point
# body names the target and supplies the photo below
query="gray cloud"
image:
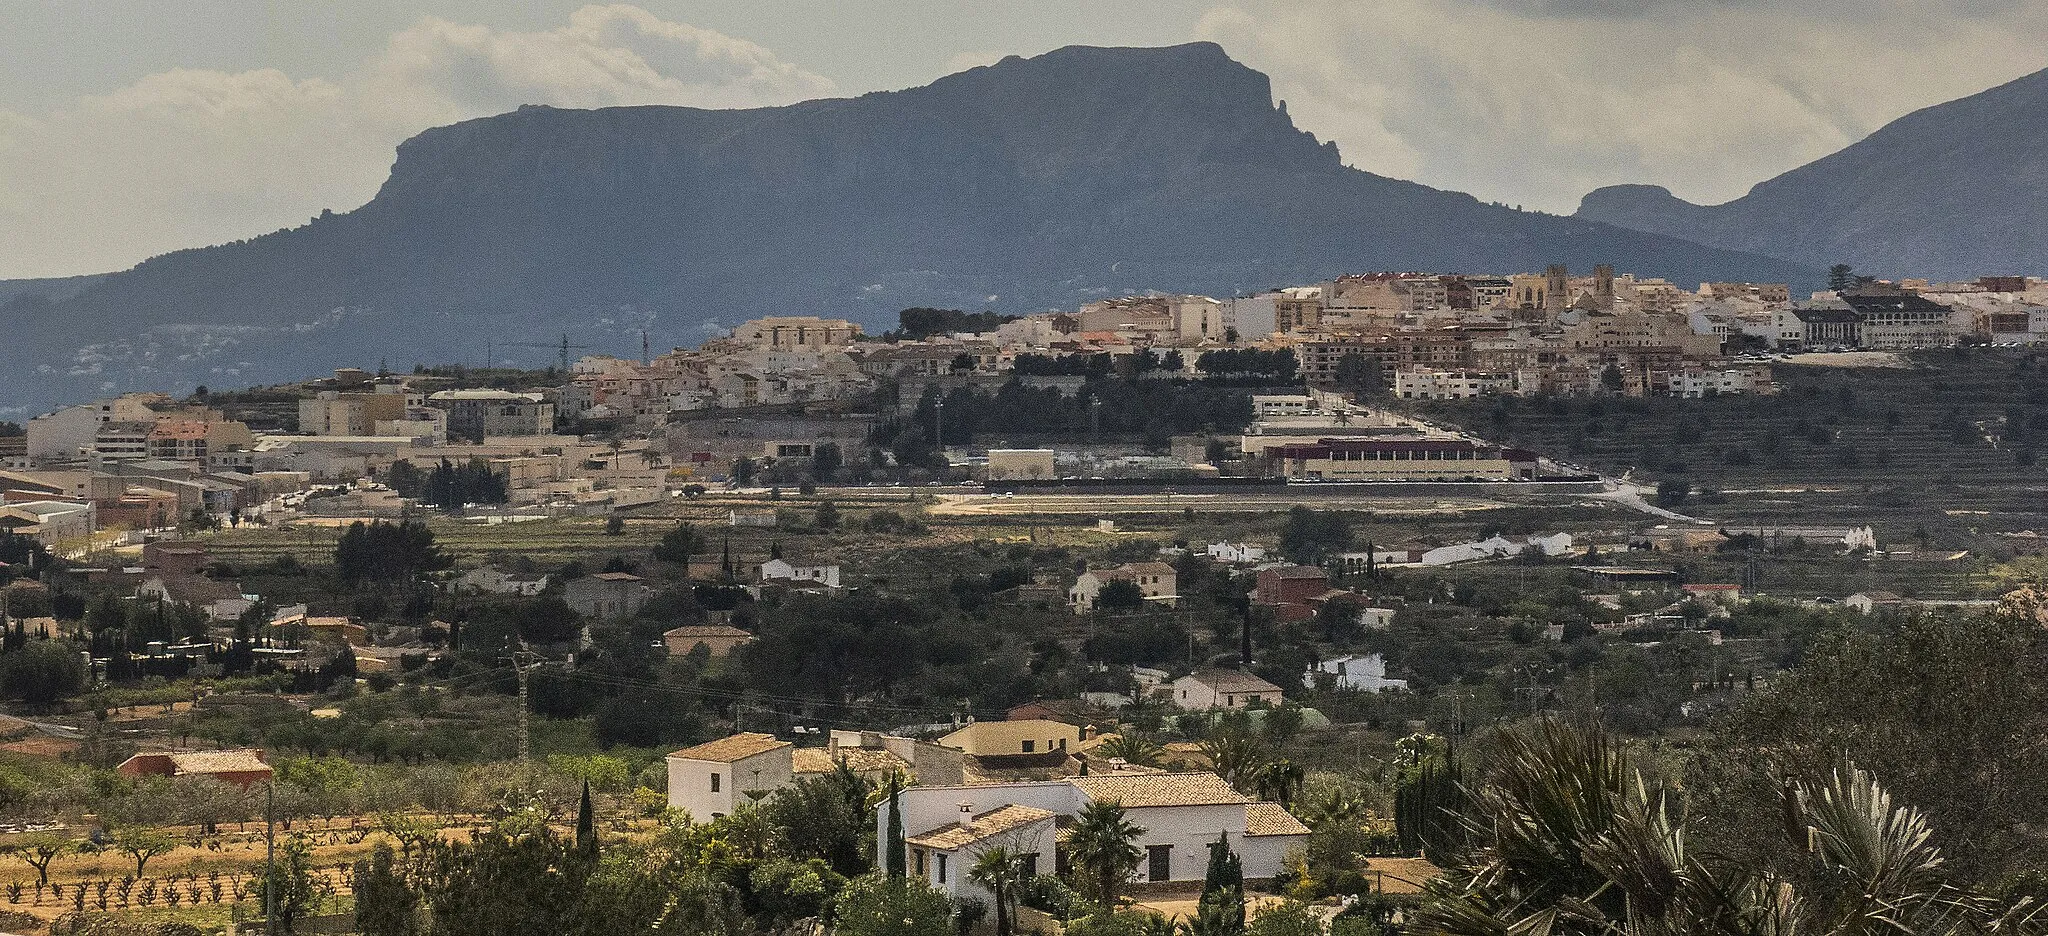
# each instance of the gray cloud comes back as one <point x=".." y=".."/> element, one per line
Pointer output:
<point x="1536" y="103"/>
<point x="197" y="156"/>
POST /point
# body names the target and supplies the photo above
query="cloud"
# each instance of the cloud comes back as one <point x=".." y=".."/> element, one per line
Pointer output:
<point x="189" y="157"/>
<point x="1536" y="103"/>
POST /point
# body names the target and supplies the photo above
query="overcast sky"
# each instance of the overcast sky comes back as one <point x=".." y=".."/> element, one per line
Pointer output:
<point x="132" y="127"/>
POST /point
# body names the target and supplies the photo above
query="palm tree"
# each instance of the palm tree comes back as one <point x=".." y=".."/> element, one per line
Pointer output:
<point x="1000" y="870"/>
<point x="1336" y="806"/>
<point x="1570" y="841"/>
<point x="1280" y="780"/>
<point x="1235" y="754"/>
<point x="1134" y="749"/>
<point x="1102" y="848"/>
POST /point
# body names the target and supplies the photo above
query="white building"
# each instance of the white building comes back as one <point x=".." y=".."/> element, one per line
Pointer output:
<point x="708" y="780"/>
<point x="1207" y="689"/>
<point x="491" y="580"/>
<point x="779" y="570"/>
<point x="1699" y="383"/>
<point x="49" y="522"/>
<point x="1282" y="404"/>
<point x="1365" y="672"/>
<point x="1252" y="317"/>
<point x="1496" y="547"/>
<point x="1451" y="385"/>
<point x="1182" y="814"/>
<point x="1236" y="553"/>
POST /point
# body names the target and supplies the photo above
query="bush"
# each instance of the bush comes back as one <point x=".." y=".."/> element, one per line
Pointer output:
<point x="875" y="905"/>
<point x="1287" y="918"/>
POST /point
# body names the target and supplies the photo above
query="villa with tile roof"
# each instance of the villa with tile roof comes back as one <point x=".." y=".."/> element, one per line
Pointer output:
<point x="708" y="780"/>
<point x="1181" y="814"/>
<point x="1207" y="689"/>
<point x="242" y="767"/>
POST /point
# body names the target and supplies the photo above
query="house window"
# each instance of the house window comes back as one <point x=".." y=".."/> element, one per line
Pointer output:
<point x="942" y="867"/>
<point x="921" y="872"/>
<point x="1028" y="746"/>
<point x="1030" y="862"/>
<point x="714" y="783"/>
<point x="1158" y="862"/>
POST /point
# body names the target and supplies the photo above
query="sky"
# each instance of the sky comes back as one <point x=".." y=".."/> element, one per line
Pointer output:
<point x="129" y="128"/>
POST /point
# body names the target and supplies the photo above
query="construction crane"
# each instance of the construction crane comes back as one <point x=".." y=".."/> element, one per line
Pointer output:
<point x="563" y="346"/>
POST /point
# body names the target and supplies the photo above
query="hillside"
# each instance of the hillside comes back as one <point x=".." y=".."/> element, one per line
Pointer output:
<point x="1028" y="184"/>
<point x="1952" y="444"/>
<point x="1950" y="191"/>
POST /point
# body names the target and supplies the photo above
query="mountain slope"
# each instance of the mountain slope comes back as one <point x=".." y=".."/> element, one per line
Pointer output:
<point x="1950" y="191"/>
<point x="1029" y="184"/>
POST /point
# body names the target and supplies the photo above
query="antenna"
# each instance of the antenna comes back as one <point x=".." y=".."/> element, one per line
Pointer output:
<point x="643" y="347"/>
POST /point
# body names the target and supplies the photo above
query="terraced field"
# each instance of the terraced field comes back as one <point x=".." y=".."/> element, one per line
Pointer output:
<point x="1947" y="445"/>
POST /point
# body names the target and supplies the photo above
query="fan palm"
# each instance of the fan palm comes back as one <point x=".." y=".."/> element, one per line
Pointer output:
<point x="1568" y="840"/>
<point x="1102" y="848"/>
<point x="1000" y="870"/>
<point x="1235" y="754"/>
<point x="1134" y="749"/>
<point x="1280" y="780"/>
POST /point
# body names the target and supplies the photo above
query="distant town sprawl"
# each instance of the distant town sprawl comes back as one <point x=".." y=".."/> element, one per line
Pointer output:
<point x="792" y="389"/>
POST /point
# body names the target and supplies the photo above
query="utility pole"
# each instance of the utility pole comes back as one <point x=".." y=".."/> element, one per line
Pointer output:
<point x="524" y="662"/>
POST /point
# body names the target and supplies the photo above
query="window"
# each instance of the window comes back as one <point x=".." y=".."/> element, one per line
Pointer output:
<point x="1158" y="862"/>
<point x="921" y="872"/>
<point x="1028" y="746"/>
<point x="714" y="783"/>
<point x="942" y="867"/>
<point x="1030" y="862"/>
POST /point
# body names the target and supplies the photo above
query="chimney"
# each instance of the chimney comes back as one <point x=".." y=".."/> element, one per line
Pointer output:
<point x="832" y="745"/>
<point x="967" y="816"/>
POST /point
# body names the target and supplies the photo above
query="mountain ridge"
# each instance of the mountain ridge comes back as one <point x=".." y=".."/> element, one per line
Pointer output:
<point x="1950" y="190"/>
<point x="1032" y="183"/>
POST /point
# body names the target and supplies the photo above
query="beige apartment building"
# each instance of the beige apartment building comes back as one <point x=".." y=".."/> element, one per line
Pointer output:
<point x="333" y="413"/>
<point x="796" y="333"/>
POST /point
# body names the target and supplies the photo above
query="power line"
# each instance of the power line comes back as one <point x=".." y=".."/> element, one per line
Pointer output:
<point x="753" y="699"/>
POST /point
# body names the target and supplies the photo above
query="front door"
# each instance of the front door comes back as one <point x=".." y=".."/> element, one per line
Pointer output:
<point x="1159" y="862"/>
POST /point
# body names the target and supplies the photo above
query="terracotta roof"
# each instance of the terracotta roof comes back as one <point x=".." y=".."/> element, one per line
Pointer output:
<point x="994" y="822"/>
<point x="1174" y="789"/>
<point x="1297" y="572"/>
<point x="1146" y="568"/>
<point x="860" y="760"/>
<point x="706" y="630"/>
<point x="213" y="762"/>
<point x="1271" y="819"/>
<point x="1223" y="680"/>
<point x="736" y="747"/>
<point x="617" y="577"/>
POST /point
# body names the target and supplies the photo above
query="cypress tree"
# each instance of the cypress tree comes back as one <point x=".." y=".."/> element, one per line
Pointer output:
<point x="586" y="825"/>
<point x="896" y="863"/>
<point x="1220" y="911"/>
